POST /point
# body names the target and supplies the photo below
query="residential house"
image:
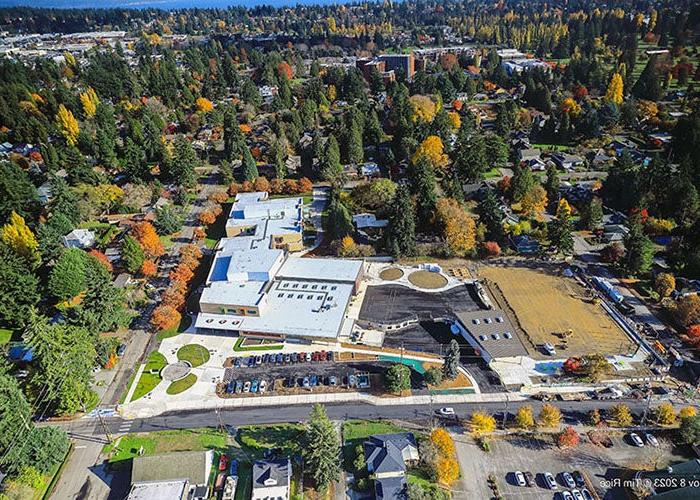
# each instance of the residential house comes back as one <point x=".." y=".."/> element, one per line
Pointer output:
<point x="166" y="476"/>
<point x="528" y="153"/>
<point x="271" y="479"/>
<point x="370" y="170"/>
<point x="614" y="232"/>
<point x="566" y="161"/>
<point x="79" y="238"/>
<point x="525" y="244"/>
<point x="600" y="158"/>
<point x="387" y="457"/>
<point x="45" y="193"/>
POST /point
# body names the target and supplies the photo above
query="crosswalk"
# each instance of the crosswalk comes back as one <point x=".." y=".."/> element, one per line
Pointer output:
<point x="124" y="427"/>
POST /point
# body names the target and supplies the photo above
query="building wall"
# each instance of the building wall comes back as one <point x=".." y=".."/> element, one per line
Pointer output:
<point x="234" y="309"/>
<point x="232" y="231"/>
<point x="291" y="242"/>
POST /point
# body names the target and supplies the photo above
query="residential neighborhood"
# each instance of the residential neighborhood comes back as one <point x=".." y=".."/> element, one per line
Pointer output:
<point x="389" y="250"/>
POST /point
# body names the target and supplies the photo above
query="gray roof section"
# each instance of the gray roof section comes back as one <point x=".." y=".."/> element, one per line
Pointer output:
<point x="384" y="452"/>
<point x="190" y="465"/>
<point x="267" y="471"/>
<point x="489" y="323"/>
<point x="390" y="488"/>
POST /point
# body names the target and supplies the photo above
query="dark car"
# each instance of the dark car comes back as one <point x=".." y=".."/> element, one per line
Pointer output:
<point x="121" y="350"/>
<point x="314" y="380"/>
<point x="280" y="358"/>
<point x="265" y="358"/>
<point x="291" y="382"/>
<point x="251" y="361"/>
<point x="529" y="478"/>
<point x="293" y="357"/>
<point x="231" y="387"/>
<point x="578" y="477"/>
<point x="236" y="362"/>
<point x="329" y="356"/>
<point x="287" y="358"/>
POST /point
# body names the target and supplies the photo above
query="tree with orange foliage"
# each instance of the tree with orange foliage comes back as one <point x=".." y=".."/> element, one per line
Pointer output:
<point x="174" y="295"/>
<point x="102" y="258"/>
<point x="148" y="268"/>
<point x="305" y="185"/>
<point x="693" y="334"/>
<point x="534" y="201"/>
<point x="181" y="273"/>
<point x="190" y="255"/>
<point x="457" y="105"/>
<point x="448" y="61"/>
<point x="568" y="438"/>
<point x="285" y="69"/>
<point x="247" y="187"/>
<point x="218" y="196"/>
<point x="571" y="107"/>
<point x="204" y="105"/>
<point x="234" y="189"/>
<point x="458" y="228"/>
<point x="290" y="186"/>
<point x="207" y="218"/>
<point x="261" y="184"/>
<point x="276" y="186"/>
<point x="447" y="471"/>
<point x="198" y="234"/>
<point x="146" y="235"/>
<point x="165" y="318"/>
<point x="491" y="249"/>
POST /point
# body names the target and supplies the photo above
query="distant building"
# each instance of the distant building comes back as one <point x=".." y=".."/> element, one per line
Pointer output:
<point x="79" y="238"/>
<point x="566" y="161"/>
<point x="271" y="479"/>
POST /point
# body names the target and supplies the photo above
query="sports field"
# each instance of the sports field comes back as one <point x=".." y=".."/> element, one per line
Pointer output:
<point x="548" y="305"/>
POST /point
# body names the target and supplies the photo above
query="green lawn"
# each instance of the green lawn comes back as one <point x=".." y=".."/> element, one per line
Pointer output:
<point x="166" y="240"/>
<point x="154" y="443"/>
<point x="494" y="173"/>
<point x="148" y="381"/>
<point x="239" y="347"/>
<point x="194" y="354"/>
<point x="255" y="439"/>
<point x="245" y="481"/>
<point x="357" y="431"/>
<point x="555" y="147"/>
<point x="181" y="385"/>
<point x="432" y="490"/>
<point x="5" y="336"/>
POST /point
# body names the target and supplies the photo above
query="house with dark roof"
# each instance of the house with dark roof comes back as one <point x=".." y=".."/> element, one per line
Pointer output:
<point x="271" y="479"/>
<point x="387" y="457"/>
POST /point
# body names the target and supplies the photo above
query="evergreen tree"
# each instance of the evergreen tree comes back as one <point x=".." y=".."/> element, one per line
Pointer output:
<point x="469" y="155"/>
<point x="339" y="217"/>
<point x="560" y="229"/>
<point x="401" y="235"/>
<point x="226" y="172"/>
<point x="496" y="151"/>
<point x="134" y="162"/>
<point x="132" y="254"/>
<point x="250" y="167"/>
<point x="322" y="450"/>
<point x="233" y="137"/>
<point x="639" y="250"/>
<point x="450" y="369"/>
<point x="19" y="289"/>
<point x="278" y="160"/>
<point x="592" y="214"/>
<point x="648" y="86"/>
<point x="551" y="185"/>
<point x="330" y="167"/>
<point x="67" y="278"/>
<point x="17" y="193"/>
<point x="423" y="185"/>
<point x="352" y="139"/>
<point x="180" y="167"/>
<point x="491" y="216"/>
<point x="522" y="182"/>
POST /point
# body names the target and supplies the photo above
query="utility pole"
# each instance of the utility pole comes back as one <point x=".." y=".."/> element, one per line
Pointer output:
<point x="646" y="409"/>
<point x="505" y="413"/>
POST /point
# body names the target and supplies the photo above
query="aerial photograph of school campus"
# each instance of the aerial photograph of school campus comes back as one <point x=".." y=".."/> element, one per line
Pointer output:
<point x="349" y="250"/>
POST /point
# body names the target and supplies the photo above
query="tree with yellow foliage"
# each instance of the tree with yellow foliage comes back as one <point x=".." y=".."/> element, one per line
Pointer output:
<point x="458" y="228"/>
<point x="455" y="120"/>
<point x="424" y="108"/>
<point x="534" y="201"/>
<point x="67" y="125"/>
<point x="615" y="89"/>
<point x="89" y="101"/>
<point x="571" y="107"/>
<point x="482" y="423"/>
<point x="665" y="414"/>
<point x="204" y="105"/>
<point x="332" y="93"/>
<point x="17" y="236"/>
<point x="447" y="471"/>
<point x="433" y="151"/>
<point x="687" y="412"/>
<point x="443" y="442"/>
<point x="550" y="416"/>
<point x="525" y="418"/>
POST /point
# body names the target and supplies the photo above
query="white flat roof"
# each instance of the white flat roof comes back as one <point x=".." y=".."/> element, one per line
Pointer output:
<point x="321" y="269"/>
<point x="292" y="310"/>
<point x="158" y="490"/>
<point x="241" y="293"/>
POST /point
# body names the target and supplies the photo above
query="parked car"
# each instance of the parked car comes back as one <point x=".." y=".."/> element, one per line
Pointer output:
<point x="322" y="356"/>
<point x="529" y="478"/>
<point x="223" y="462"/>
<point x="447" y="411"/>
<point x="549" y="481"/>
<point x="578" y="477"/>
<point x="332" y="381"/>
<point x="549" y="348"/>
<point x="265" y="358"/>
<point x="305" y="382"/>
<point x="329" y="356"/>
<point x="308" y="356"/>
<point x="287" y="358"/>
<point x="230" y="387"/>
<point x="293" y="357"/>
<point x="263" y="386"/>
<point x="246" y="386"/>
<point x="121" y="350"/>
<point x="577" y="495"/>
<point x="568" y="480"/>
<point x="565" y="495"/>
<point x="314" y="380"/>
<point x="258" y="359"/>
<point x="239" y="386"/>
<point x="254" y="386"/>
<point x="280" y="358"/>
<point x="586" y="494"/>
<point x="636" y="440"/>
<point x="352" y="381"/>
<point x="251" y="361"/>
<point x="520" y="478"/>
<point x="651" y="439"/>
<point x="237" y="362"/>
<point x="291" y="382"/>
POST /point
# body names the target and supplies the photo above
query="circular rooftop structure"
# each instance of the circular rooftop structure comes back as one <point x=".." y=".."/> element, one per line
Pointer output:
<point x="427" y="279"/>
<point x="391" y="274"/>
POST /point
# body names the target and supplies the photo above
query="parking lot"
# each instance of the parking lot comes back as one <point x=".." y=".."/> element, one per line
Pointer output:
<point x="538" y="455"/>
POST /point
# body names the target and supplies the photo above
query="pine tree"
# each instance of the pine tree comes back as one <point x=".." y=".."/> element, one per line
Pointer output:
<point x="469" y="155"/>
<point x="592" y="214"/>
<point x="523" y="181"/>
<point x="561" y="228"/>
<point x="648" y="86"/>
<point x="250" y="168"/>
<point x="339" y="217"/>
<point x="233" y="137"/>
<point x="551" y="185"/>
<point x="330" y="167"/>
<point x="401" y="236"/>
<point x="134" y="162"/>
<point x="639" y="250"/>
<point x="450" y="369"/>
<point x="491" y="216"/>
<point x="132" y="254"/>
<point x="424" y="188"/>
<point x="180" y="167"/>
<point x="322" y="450"/>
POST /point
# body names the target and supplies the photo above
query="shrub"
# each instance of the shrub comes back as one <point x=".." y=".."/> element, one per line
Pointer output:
<point x="433" y="376"/>
<point x="568" y="438"/>
<point x="550" y="416"/>
<point x="482" y="423"/>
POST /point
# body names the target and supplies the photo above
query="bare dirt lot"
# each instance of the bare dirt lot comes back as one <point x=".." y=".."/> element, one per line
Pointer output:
<point x="547" y="305"/>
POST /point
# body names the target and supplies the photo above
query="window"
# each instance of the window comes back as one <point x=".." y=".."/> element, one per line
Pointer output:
<point x="476" y="321"/>
<point x="334" y="288"/>
<point x="495" y="336"/>
<point x="252" y="311"/>
<point x="305" y="286"/>
<point x="319" y="297"/>
<point x="499" y="319"/>
<point x="508" y="335"/>
<point x="295" y="285"/>
<point x="280" y="295"/>
<point x="330" y="297"/>
<point x="323" y="287"/>
<point x="309" y="297"/>
<point x="488" y="321"/>
<point x="290" y="295"/>
<point x="314" y="287"/>
<point x="300" y="296"/>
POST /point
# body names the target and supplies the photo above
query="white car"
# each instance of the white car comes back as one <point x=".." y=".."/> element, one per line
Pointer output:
<point x="549" y="348"/>
<point x="568" y="480"/>
<point x="651" y="439"/>
<point x="549" y="480"/>
<point x="566" y="495"/>
<point x="636" y="440"/>
<point x="447" y="411"/>
<point x="263" y="386"/>
<point x="577" y="495"/>
<point x="520" y="478"/>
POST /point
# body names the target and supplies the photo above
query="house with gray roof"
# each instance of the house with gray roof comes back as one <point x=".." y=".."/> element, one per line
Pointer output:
<point x="387" y="457"/>
<point x="271" y="479"/>
<point x="164" y="476"/>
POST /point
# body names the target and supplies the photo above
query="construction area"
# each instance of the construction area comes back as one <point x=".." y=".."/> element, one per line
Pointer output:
<point x="549" y="307"/>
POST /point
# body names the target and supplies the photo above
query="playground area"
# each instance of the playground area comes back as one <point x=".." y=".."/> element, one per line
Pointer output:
<point x="556" y="309"/>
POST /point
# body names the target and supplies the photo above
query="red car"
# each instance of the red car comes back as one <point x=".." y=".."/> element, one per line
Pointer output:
<point x="223" y="462"/>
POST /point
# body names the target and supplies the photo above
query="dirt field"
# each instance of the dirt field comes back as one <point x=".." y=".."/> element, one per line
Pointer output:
<point x="546" y="305"/>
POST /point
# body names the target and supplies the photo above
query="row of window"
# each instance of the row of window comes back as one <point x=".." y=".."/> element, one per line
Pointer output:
<point x="306" y="286"/>
<point x="301" y="296"/>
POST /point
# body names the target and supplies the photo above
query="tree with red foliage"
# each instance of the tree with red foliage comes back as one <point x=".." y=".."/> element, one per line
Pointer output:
<point x="290" y="186"/>
<point x="693" y="333"/>
<point x="148" y="268"/>
<point x="457" y="105"/>
<point x="448" y="61"/>
<point x="102" y="258"/>
<point x="491" y="249"/>
<point x="165" y="317"/>
<point x="285" y="69"/>
<point x="305" y="185"/>
<point x="568" y="438"/>
<point x="580" y="92"/>
<point x="572" y="365"/>
<point x="504" y="185"/>
<point x="174" y="295"/>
